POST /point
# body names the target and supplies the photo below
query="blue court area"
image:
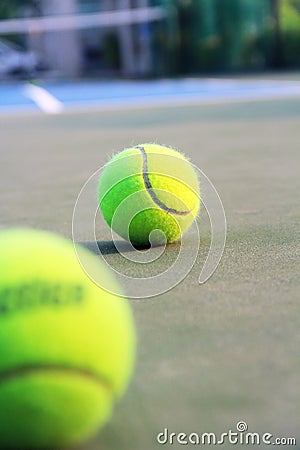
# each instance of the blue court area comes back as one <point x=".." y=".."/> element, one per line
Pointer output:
<point x="12" y="98"/>
<point x="15" y="97"/>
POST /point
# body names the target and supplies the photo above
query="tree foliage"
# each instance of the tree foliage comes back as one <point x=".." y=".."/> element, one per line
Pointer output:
<point x="214" y="35"/>
<point x="13" y="8"/>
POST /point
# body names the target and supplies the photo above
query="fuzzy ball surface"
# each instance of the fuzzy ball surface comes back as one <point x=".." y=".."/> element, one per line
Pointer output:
<point x="149" y="194"/>
<point x="67" y="346"/>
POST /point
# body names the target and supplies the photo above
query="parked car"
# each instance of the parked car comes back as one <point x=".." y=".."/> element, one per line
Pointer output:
<point x="14" y="60"/>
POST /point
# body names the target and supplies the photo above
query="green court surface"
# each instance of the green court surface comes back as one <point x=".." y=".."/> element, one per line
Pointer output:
<point x="209" y="356"/>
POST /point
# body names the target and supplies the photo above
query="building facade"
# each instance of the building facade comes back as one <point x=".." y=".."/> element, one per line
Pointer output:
<point x="116" y="50"/>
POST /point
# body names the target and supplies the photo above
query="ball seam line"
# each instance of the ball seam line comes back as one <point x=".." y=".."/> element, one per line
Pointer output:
<point x="150" y="189"/>
<point x="11" y="374"/>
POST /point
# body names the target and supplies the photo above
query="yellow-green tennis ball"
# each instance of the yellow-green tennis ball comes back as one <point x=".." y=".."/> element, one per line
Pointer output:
<point x="146" y="188"/>
<point x="66" y="346"/>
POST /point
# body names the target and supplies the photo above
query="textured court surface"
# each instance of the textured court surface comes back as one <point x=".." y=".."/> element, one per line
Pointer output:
<point x="208" y="356"/>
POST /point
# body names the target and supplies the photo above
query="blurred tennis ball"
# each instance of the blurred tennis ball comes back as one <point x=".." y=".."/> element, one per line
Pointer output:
<point x="67" y="346"/>
<point x="149" y="194"/>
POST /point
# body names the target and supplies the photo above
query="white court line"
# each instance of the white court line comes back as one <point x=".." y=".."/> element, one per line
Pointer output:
<point x="43" y="99"/>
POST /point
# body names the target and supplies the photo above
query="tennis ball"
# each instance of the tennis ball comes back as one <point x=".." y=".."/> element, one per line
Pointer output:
<point x="149" y="194"/>
<point x="66" y="346"/>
